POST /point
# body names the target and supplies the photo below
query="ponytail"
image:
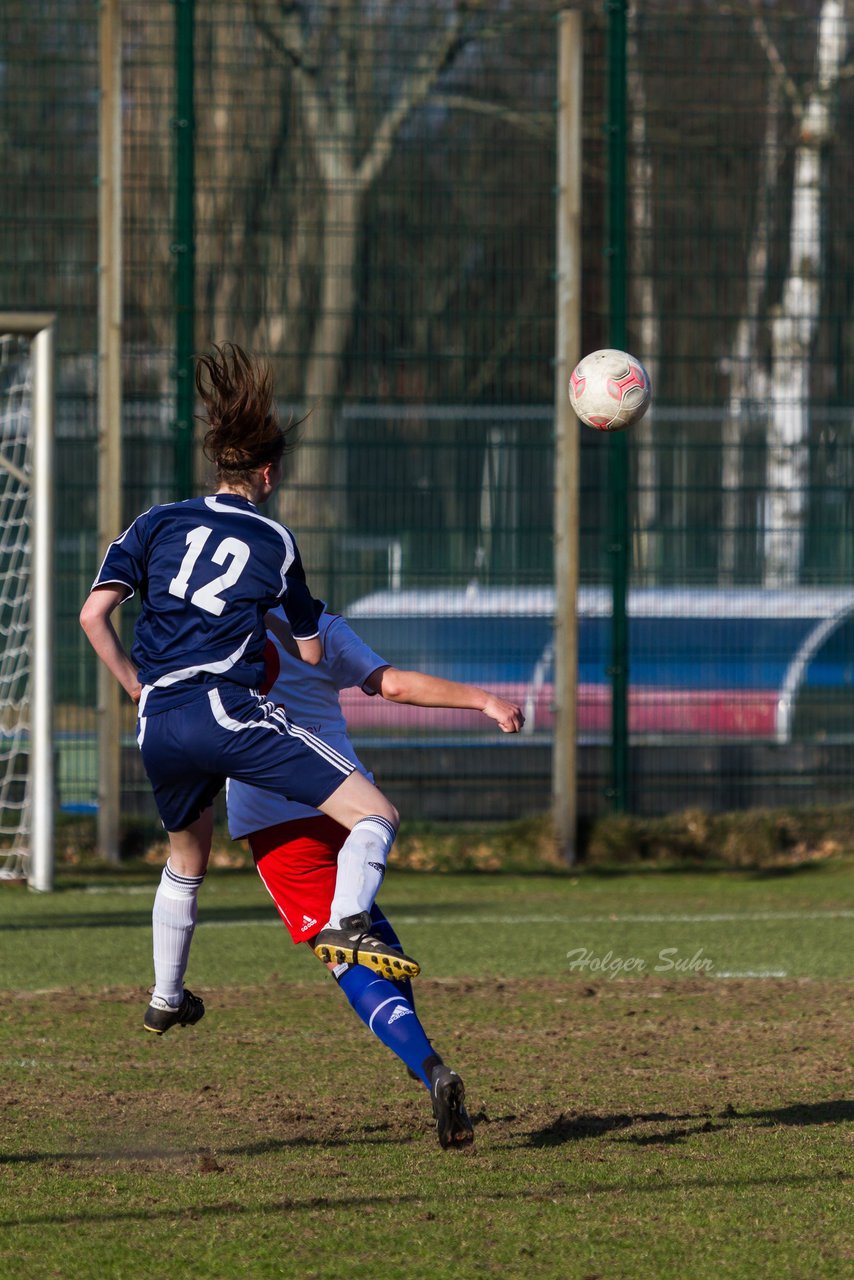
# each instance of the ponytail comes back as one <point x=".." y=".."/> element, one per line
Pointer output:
<point x="244" y="433"/>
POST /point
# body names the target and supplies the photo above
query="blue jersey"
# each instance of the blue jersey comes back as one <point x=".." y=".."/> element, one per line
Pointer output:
<point x="207" y="570"/>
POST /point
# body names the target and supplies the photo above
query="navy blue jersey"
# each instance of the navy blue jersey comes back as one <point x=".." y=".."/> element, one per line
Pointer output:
<point x="207" y="570"/>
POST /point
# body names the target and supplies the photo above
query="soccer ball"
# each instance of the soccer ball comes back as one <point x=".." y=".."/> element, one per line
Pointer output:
<point x="610" y="390"/>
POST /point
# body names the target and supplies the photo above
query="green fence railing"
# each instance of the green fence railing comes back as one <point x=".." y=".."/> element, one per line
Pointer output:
<point x="370" y="203"/>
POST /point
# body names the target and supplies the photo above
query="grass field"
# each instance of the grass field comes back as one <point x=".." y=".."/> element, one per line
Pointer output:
<point x="658" y="1065"/>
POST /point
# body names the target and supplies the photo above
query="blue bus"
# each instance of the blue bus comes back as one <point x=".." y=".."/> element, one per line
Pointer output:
<point x="703" y="662"/>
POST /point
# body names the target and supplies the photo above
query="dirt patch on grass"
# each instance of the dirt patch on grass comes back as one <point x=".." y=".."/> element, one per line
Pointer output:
<point x="286" y="1070"/>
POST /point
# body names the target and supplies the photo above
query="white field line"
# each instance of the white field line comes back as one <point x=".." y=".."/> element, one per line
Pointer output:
<point x="438" y="918"/>
<point x="750" y="973"/>
<point x="707" y="918"/>
<point x="128" y="889"/>
<point x="711" y="918"/>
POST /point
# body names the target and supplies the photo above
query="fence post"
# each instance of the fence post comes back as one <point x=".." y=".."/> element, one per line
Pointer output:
<point x="109" y="400"/>
<point x="618" y="470"/>
<point x="567" y="353"/>
<point x="183" y="246"/>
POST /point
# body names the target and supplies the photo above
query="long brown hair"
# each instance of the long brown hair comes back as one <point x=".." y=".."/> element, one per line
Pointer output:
<point x="244" y="432"/>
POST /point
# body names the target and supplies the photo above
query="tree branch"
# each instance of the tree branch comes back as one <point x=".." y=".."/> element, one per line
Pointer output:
<point x="778" y="67"/>
<point x="539" y="126"/>
<point x="290" y="47"/>
<point x="415" y="90"/>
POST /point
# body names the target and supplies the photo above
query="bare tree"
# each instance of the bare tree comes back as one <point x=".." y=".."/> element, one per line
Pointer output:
<point x="795" y="319"/>
<point x="748" y="375"/>
<point x="643" y="285"/>
<point x="329" y="64"/>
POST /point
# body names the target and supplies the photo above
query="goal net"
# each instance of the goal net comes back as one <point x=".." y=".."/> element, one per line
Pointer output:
<point x="26" y="751"/>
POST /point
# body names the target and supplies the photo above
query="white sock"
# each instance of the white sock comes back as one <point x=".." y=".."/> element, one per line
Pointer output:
<point x="173" y="919"/>
<point x="361" y="867"/>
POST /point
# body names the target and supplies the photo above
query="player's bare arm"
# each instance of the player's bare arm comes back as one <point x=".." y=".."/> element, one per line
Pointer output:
<point x="422" y="690"/>
<point x="95" y="620"/>
<point x="311" y="651"/>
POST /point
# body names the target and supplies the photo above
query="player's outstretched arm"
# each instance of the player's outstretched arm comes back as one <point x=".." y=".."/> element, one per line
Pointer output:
<point x="95" y="621"/>
<point x="422" y="690"/>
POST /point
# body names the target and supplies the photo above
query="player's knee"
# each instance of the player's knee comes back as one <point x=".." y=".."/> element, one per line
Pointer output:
<point x="379" y="806"/>
<point x="391" y="815"/>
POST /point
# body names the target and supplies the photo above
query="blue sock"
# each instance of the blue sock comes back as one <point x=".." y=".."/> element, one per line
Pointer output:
<point x="382" y="929"/>
<point x="384" y="1009"/>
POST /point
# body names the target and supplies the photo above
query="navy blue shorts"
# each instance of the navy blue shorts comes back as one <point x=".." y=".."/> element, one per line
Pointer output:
<point x="230" y="732"/>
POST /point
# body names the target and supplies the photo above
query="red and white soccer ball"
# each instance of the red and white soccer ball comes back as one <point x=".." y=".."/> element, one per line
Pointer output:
<point x="610" y="390"/>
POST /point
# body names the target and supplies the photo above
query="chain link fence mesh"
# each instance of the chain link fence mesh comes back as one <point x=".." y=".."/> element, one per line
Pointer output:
<point x="374" y="203"/>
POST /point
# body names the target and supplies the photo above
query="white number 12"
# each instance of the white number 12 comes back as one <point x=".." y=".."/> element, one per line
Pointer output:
<point x="208" y="597"/>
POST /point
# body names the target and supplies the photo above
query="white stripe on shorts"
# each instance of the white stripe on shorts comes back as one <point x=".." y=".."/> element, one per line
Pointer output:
<point x="317" y="744"/>
<point x="228" y="722"/>
<point x="278" y="722"/>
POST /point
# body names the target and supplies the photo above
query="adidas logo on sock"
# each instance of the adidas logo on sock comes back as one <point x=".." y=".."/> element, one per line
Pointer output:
<point x="400" y="1012"/>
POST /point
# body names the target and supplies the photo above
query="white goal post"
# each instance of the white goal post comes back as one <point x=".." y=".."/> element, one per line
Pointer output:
<point x="27" y="785"/>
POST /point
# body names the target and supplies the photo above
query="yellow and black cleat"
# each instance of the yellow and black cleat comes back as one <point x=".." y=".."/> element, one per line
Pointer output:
<point x="354" y="943"/>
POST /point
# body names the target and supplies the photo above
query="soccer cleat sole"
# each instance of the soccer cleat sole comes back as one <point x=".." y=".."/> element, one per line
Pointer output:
<point x="159" y="1031"/>
<point x="388" y="966"/>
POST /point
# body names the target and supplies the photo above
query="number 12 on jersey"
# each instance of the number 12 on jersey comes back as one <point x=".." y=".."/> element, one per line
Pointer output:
<point x="209" y="596"/>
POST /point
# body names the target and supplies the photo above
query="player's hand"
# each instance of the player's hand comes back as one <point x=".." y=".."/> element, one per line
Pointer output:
<point x="135" y="695"/>
<point x="510" y="717"/>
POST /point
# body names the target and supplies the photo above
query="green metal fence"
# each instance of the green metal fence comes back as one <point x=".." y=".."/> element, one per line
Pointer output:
<point x="365" y="193"/>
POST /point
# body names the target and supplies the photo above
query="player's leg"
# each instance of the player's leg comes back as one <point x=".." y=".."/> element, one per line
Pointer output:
<point x="173" y="925"/>
<point x="391" y="1017"/>
<point x="386" y="1011"/>
<point x="382" y="928"/>
<point x="190" y="849"/>
<point x="297" y="862"/>
<point x="302" y="767"/>
<point x="183" y="792"/>
<point x="348" y="936"/>
<point x="372" y="822"/>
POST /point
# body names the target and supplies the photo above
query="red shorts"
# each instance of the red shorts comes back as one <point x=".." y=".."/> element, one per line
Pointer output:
<point x="298" y="862"/>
